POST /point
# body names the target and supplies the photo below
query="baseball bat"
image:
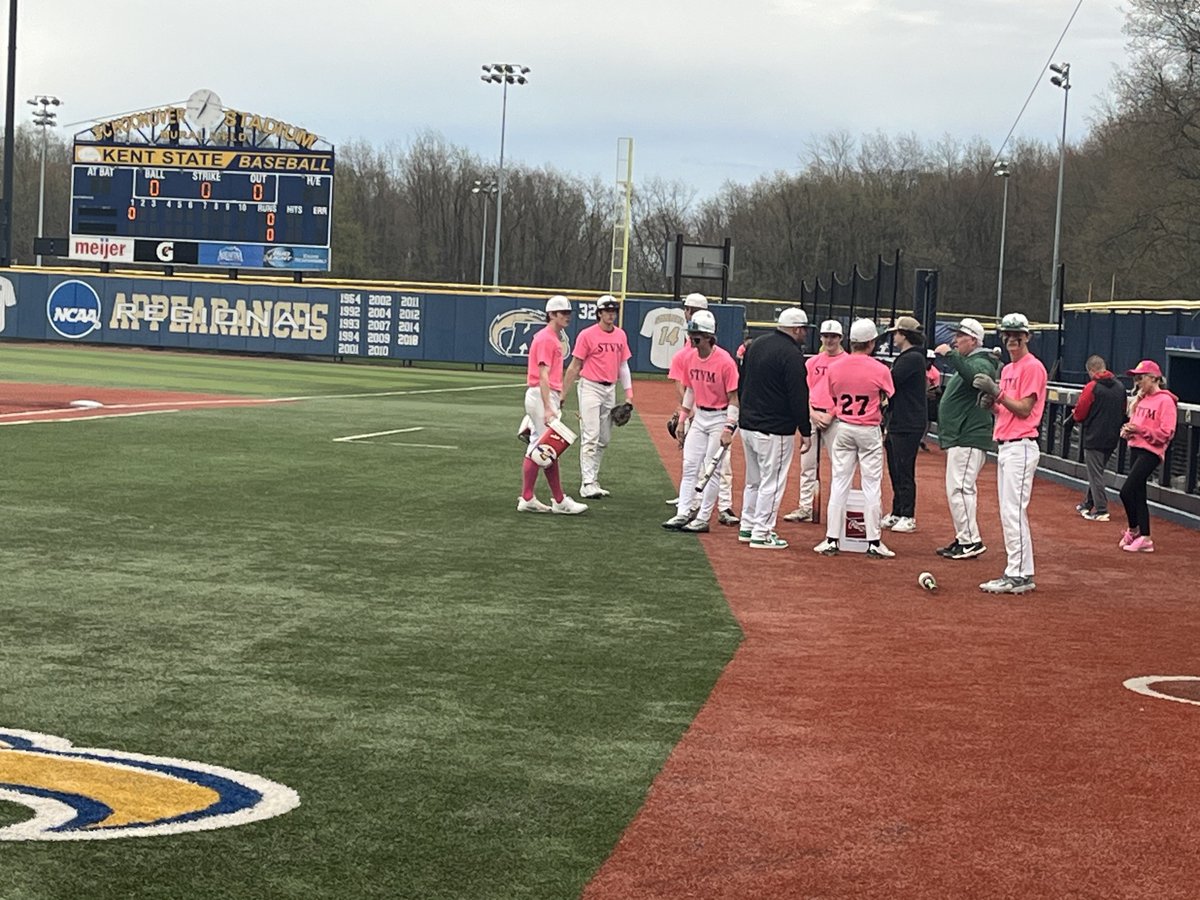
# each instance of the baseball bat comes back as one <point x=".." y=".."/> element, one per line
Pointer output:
<point x="816" y="501"/>
<point x="710" y="467"/>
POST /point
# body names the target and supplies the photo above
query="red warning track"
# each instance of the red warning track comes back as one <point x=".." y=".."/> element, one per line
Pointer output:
<point x="870" y="739"/>
<point x="25" y="403"/>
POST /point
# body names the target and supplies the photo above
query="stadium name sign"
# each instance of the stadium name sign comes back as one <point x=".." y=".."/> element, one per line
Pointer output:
<point x="182" y="314"/>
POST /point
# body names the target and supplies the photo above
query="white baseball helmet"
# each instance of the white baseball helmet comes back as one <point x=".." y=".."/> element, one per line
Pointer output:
<point x="863" y="330"/>
<point x="558" y="303"/>
<point x="1015" y="322"/>
<point x="703" y="322"/>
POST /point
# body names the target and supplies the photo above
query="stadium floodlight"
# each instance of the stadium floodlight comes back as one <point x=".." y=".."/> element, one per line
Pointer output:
<point x="486" y="190"/>
<point x="1000" y="170"/>
<point x="1063" y="80"/>
<point x="44" y="117"/>
<point x="503" y="74"/>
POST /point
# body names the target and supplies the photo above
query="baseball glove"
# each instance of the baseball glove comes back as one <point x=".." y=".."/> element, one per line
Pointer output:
<point x="622" y="414"/>
<point x="673" y="425"/>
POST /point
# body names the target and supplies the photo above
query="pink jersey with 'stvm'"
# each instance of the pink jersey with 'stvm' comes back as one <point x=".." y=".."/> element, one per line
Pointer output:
<point x="855" y="381"/>
<point x="601" y="353"/>
<point x="679" y="363"/>
<point x="1024" y="378"/>
<point x="546" y="350"/>
<point x="711" y="379"/>
<point x="817" y="366"/>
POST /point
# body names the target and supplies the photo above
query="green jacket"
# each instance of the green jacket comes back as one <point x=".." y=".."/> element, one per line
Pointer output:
<point x="961" y="423"/>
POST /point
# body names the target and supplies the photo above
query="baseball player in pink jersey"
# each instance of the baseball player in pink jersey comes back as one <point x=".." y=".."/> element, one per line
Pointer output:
<point x="601" y="361"/>
<point x="1149" y="431"/>
<point x="543" y="402"/>
<point x="824" y="425"/>
<point x="692" y="304"/>
<point x="710" y="383"/>
<point x="857" y="385"/>
<point x="1018" y="401"/>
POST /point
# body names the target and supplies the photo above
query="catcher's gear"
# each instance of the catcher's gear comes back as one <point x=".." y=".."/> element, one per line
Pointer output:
<point x="622" y="414"/>
<point x="673" y="425"/>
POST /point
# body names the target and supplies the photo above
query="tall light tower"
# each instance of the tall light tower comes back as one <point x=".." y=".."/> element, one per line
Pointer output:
<point x="44" y="118"/>
<point x="1001" y="171"/>
<point x="503" y="74"/>
<point x="486" y="190"/>
<point x="1061" y="79"/>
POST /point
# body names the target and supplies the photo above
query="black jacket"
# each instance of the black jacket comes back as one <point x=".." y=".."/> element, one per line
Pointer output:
<point x="773" y="390"/>
<point x="1105" y="414"/>
<point x="909" y="409"/>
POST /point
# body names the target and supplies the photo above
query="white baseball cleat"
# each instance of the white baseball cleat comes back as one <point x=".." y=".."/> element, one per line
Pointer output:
<point x="880" y="551"/>
<point x="696" y="526"/>
<point x="533" y="504"/>
<point x="888" y="521"/>
<point x="568" y="507"/>
<point x="799" y="515"/>
<point x="905" y="525"/>
<point x="827" y="547"/>
<point x="592" y="491"/>
<point x="674" y="501"/>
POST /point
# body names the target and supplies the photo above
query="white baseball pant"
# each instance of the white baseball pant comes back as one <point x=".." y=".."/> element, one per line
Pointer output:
<point x="1016" y="464"/>
<point x="810" y="460"/>
<point x="768" y="459"/>
<point x="701" y="444"/>
<point x="725" y="493"/>
<point x="963" y="465"/>
<point x="596" y="402"/>
<point x="861" y="446"/>
<point x="535" y="411"/>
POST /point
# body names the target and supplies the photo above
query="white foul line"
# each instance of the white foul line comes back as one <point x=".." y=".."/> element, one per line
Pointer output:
<point x="151" y="408"/>
<point x="374" y="434"/>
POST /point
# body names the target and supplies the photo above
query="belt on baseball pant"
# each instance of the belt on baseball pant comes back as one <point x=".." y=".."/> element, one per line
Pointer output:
<point x="713" y="408"/>
<point x="1014" y="440"/>
<point x="603" y="383"/>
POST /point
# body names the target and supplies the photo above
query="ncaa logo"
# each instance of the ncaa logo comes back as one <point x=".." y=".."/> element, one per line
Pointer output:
<point x="73" y="309"/>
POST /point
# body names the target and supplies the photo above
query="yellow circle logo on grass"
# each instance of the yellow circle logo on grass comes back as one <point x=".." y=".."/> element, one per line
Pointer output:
<point x="80" y="794"/>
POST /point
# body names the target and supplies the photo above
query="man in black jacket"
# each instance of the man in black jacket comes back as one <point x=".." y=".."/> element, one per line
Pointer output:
<point x="1101" y="410"/>
<point x="907" y="422"/>
<point x="773" y="407"/>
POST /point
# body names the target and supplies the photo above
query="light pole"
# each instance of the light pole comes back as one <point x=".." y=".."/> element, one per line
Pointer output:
<point x="1001" y="171"/>
<point x="503" y="74"/>
<point x="44" y="118"/>
<point x="1061" y="79"/>
<point x="485" y="189"/>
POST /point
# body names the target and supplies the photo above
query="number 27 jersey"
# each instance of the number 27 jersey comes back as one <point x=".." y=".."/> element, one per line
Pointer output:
<point x="855" y="383"/>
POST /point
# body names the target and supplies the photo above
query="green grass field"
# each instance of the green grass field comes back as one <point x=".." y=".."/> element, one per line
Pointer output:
<point x="470" y="703"/>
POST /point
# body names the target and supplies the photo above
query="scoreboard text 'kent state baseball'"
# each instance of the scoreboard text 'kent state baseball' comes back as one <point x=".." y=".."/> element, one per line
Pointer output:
<point x="233" y="197"/>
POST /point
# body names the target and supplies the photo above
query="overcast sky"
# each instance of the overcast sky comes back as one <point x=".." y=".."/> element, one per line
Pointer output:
<point x="709" y="91"/>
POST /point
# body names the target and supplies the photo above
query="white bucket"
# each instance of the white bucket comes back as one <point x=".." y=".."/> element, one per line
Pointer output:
<point x="854" y="524"/>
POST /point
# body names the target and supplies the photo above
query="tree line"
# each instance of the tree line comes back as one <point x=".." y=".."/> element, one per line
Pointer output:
<point x="1131" y="216"/>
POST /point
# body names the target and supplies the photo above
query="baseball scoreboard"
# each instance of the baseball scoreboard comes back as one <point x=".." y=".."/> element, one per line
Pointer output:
<point x="229" y="201"/>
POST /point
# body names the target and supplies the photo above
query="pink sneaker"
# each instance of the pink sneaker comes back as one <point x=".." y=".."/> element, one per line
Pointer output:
<point x="1127" y="538"/>
<point x="1140" y="544"/>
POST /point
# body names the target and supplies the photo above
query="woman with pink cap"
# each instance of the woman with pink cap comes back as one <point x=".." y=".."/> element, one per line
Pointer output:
<point x="1151" y="425"/>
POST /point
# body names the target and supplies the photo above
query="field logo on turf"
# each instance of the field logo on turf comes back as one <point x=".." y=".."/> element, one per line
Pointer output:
<point x="73" y="309"/>
<point x="79" y="794"/>
<point x="8" y="297"/>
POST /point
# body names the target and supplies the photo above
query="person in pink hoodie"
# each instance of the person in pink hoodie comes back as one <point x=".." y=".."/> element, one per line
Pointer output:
<point x="1151" y="426"/>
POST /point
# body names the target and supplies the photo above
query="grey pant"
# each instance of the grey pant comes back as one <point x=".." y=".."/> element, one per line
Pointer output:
<point x="1096" y="498"/>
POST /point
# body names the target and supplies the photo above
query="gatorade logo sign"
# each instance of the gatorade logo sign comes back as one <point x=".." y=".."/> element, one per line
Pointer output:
<point x="73" y="309"/>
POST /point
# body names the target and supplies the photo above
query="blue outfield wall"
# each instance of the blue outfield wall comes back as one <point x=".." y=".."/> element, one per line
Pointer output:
<point x="259" y="317"/>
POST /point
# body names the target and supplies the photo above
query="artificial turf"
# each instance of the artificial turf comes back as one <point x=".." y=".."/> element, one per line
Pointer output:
<point x="471" y="703"/>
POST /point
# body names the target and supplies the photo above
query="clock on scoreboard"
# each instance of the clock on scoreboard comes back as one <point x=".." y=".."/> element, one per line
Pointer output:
<point x="223" y="198"/>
